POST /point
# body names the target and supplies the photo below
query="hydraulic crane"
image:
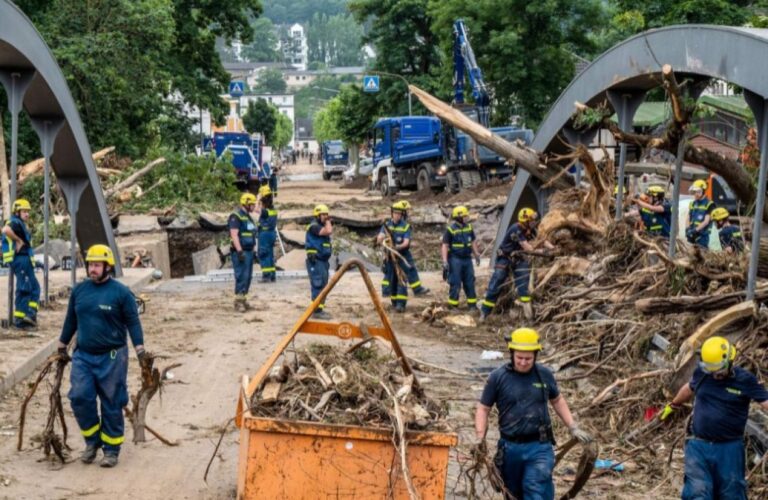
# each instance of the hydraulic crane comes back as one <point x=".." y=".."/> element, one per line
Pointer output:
<point x="464" y="63"/>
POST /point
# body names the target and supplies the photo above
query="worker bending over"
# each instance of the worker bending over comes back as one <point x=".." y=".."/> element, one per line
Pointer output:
<point x="458" y="248"/>
<point x="242" y="232"/>
<point x="655" y="211"/>
<point x="714" y="447"/>
<point x="267" y="234"/>
<point x="18" y="252"/>
<point x="699" y="215"/>
<point x="521" y="390"/>
<point x="730" y="234"/>
<point x="318" y="247"/>
<point x="101" y="310"/>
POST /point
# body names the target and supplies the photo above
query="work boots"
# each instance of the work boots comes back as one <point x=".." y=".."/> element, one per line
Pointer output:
<point x="109" y="460"/>
<point x="420" y="290"/>
<point x="89" y="454"/>
<point x="320" y="314"/>
<point x="241" y="303"/>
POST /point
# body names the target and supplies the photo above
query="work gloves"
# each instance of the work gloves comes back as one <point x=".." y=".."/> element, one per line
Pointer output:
<point x="241" y="256"/>
<point x="446" y="270"/>
<point x="667" y="411"/>
<point x="581" y="435"/>
<point x="63" y="354"/>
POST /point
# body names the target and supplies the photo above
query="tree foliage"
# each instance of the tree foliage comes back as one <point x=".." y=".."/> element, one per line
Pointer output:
<point x="264" y="118"/>
<point x="301" y="11"/>
<point x="334" y="40"/>
<point x="283" y="130"/>
<point x="348" y="116"/>
<point x="270" y="81"/>
<point x="263" y="48"/>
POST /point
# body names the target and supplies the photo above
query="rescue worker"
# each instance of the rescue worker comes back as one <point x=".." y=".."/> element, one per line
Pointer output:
<point x="242" y="232"/>
<point x="267" y="234"/>
<point x="391" y="285"/>
<point x="319" y="251"/>
<point x="101" y="311"/>
<point x="519" y="238"/>
<point x="699" y="215"/>
<point x="655" y="211"/>
<point x="458" y="247"/>
<point x="18" y="252"/>
<point x="714" y="448"/>
<point x="520" y="390"/>
<point x="730" y="234"/>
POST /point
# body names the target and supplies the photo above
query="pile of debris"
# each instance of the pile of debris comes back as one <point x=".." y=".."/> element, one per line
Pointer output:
<point x="361" y="386"/>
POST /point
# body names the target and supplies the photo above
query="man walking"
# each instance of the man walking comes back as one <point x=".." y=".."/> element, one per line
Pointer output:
<point x="714" y="448"/>
<point x="242" y="232"/>
<point x="318" y="247"/>
<point x="458" y="247"/>
<point x="17" y="251"/>
<point x="520" y="390"/>
<point x="101" y="310"/>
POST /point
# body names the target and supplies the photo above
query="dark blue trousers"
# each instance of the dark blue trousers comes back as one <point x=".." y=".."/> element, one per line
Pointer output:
<point x="243" y="272"/>
<point x="527" y="470"/>
<point x="391" y="286"/>
<point x="521" y="270"/>
<point x="318" y="278"/>
<point x="101" y="376"/>
<point x="702" y="240"/>
<point x="267" y="254"/>
<point x="714" y="471"/>
<point x="414" y="281"/>
<point x="27" y="289"/>
<point x="461" y="274"/>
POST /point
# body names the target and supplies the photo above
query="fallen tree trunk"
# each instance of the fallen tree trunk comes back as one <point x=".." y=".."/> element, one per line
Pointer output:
<point x="664" y="305"/>
<point x="35" y="167"/>
<point x="522" y="156"/>
<point x="133" y="178"/>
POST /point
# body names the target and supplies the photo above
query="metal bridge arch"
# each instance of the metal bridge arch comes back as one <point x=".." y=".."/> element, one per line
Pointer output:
<point x="33" y="78"/>
<point x="623" y="74"/>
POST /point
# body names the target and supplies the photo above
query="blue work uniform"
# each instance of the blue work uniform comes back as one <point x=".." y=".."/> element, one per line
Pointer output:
<point x="461" y="271"/>
<point x="22" y="264"/>
<point x="391" y="285"/>
<point x="102" y="314"/>
<point x="506" y="261"/>
<point x="267" y="236"/>
<point x="657" y="223"/>
<point x="730" y="237"/>
<point x="525" y="428"/>
<point x="319" y="252"/>
<point x="714" y="449"/>
<point x="697" y="211"/>
<point x="246" y="233"/>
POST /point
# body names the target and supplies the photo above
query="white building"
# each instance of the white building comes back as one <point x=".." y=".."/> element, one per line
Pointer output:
<point x="294" y="47"/>
<point x="283" y="103"/>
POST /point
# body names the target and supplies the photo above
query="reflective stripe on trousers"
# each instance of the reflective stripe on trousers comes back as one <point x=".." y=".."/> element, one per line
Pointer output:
<point x="461" y="275"/>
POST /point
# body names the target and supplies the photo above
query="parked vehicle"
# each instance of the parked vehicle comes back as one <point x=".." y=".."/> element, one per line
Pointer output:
<point x="335" y="158"/>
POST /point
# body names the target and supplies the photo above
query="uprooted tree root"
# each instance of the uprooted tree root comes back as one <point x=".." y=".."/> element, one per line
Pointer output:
<point x="152" y="382"/>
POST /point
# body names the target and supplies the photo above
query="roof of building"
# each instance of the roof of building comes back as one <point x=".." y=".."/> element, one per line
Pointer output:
<point x="653" y="113"/>
<point x="341" y="70"/>
<point x="722" y="148"/>
<point x="247" y="66"/>
<point x="733" y="104"/>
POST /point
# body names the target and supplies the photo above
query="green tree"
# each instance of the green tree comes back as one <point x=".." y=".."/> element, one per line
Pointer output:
<point x="283" y="130"/>
<point x="263" y="48"/>
<point x="334" y="40"/>
<point x="270" y="81"/>
<point x="261" y="117"/>
<point x="301" y="11"/>
<point x="324" y="125"/>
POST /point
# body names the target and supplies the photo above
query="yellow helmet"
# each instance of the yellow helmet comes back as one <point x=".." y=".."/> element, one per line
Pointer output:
<point x="402" y="206"/>
<point x="716" y="353"/>
<point x="460" y="211"/>
<point x="655" y="190"/>
<point x="524" y="339"/>
<point x="21" y="204"/>
<point x="526" y="214"/>
<point x="265" y="191"/>
<point x="321" y="209"/>
<point x="100" y="253"/>
<point x="720" y="213"/>
<point x="698" y="185"/>
<point x="247" y="199"/>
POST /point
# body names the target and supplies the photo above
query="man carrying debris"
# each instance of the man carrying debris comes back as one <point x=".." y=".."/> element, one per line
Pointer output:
<point x="655" y="211"/>
<point x="17" y="251"/>
<point x="730" y="234"/>
<point x="520" y="390"/>
<point x="242" y="232"/>
<point x="319" y="251"/>
<point x="392" y="286"/>
<point x="510" y="256"/>
<point x="101" y="310"/>
<point x="267" y="234"/>
<point x="458" y="248"/>
<point x="699" y="215"/>
<point x="714" y="448"/>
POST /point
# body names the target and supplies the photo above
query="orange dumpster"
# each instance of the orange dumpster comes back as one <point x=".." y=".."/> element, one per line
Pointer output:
<point x="281" y="459"/>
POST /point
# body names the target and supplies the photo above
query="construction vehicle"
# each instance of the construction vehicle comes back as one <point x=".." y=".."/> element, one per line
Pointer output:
<point x="335" y="158"/>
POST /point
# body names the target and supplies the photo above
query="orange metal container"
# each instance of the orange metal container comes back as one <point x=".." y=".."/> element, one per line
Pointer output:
<point x="295" y="460"/>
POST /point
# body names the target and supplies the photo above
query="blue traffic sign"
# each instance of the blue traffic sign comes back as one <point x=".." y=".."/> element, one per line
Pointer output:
<point x="236" y="88"/>
<point x="371" y="83"/>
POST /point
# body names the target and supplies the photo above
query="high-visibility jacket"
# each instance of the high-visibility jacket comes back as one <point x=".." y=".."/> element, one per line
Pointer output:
<point x="317" y="245"/>
<point x="8" y="245"/>
<point x="459" y="239"/>
<point x="268" y="219"/>
<point x="246" y="230"/>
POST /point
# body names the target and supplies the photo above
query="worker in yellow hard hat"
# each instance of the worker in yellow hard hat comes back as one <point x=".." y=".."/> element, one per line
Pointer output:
<point x="655" y="211"/>
<point x="18" y="253"/>
<point x="103" y="313"/>
<point x="714" y="448"/>
<point x="458" y="247"/>
<point x="699" y="215"/>
<point x="520" y="390"/>
<point x="731" y="240"/>
<point x="242" y="232"/>
<point x="267" y="234"/>
<point x="317" y="244"/>
<point x="518" y="239"/>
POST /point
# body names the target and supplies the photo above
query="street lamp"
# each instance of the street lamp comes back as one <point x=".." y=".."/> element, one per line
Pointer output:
<point x="404" y="81"/>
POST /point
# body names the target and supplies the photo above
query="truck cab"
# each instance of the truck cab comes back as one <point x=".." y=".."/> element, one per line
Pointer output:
<point x="245" y="150"/>
<point x="335" y="159"/>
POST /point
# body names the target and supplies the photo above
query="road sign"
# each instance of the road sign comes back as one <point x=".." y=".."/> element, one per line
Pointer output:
<point x="236" y="88"/>
<point x="371" y="83"/>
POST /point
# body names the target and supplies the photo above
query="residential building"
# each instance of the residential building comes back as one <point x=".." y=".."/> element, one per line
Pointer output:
<point x="293" y="44"/>
<point x="297" y="79"/>
<point x="304" y="138"/>
<point x="283" y="103"/>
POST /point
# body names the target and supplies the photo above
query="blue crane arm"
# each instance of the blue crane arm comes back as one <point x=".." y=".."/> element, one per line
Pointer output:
<point x="464" y="62"/>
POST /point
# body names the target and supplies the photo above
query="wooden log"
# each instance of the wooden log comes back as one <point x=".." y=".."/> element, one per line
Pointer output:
<point x="35" y="167"/>
<point x="522" y="156"/>
<point x="656" y="305"/>
<point x="326" y="380"/>
<point x="133" y="178"/>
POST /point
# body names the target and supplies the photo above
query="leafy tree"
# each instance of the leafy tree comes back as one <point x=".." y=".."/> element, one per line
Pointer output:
<point x="334" y="40"/>
<point x="260" y="117"/>
<point x="283" y="130"/>
<point x="301" y="11"/>
<point x="308" y="99"/>
<point x="263" y="48"/>
<point x="270" y="81"/>
<point x="325" y="123"/>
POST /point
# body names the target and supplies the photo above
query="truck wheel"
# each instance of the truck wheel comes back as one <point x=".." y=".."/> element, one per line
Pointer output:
<point x="467" y="180"/>
<point x="453" y="183"/>
<point x="422" y="180"/>
<point x="326" y="176"/>
<point x="477" y="179"/>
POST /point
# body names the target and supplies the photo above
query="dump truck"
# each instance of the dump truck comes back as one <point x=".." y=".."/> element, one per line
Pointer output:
<point x="335" y="158"/>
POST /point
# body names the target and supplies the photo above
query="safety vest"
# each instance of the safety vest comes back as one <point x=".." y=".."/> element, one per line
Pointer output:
<point x="657" y="224"/>
<point x="730" y="236"/>
<point x="461" y="238"/>
<point x="268" y="220"/>
<point x="246" y="232"/>
<point x="400" y="231"/>
<point x="319" y="246"/>
<point x="8" y="245"/>
<point x="698" y="210"/>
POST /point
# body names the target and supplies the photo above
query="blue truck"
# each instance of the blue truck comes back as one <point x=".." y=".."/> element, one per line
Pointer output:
<point x="335" y="158"/>
<point x="246" y="153"/>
